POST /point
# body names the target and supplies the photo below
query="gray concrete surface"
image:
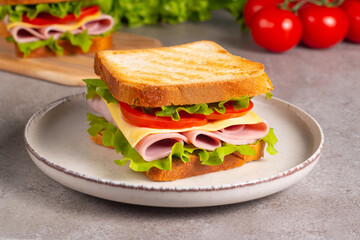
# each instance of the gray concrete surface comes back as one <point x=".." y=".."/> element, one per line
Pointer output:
<point x="325" y="205"/>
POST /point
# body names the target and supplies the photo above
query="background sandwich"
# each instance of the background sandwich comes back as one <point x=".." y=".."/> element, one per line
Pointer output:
<point x="41" y="28"/>
<point x="181" y="111"/>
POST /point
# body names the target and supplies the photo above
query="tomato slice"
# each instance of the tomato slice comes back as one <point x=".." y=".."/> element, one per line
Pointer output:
<point x="230" y="112"/>
<point x="48" y="19"/>
<point x="137" y="117"/>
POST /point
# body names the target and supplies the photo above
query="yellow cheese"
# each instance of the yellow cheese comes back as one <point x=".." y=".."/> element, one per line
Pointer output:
<point x="134" y="134"/>
<point x="65" y="27"/>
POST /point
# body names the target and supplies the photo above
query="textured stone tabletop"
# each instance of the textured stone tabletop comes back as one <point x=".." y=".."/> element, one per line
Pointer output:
<point x="325" y="205"/>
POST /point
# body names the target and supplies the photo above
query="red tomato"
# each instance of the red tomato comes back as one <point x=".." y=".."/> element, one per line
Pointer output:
<point x="48" y="19"/>
<point x="275" y="29"/>
<point x="352" y="9"/>
<point x="230" y="112"/>
<point x="253" y="6"/>
<point x="138" y="118"/>
<point x="323" y="27"/>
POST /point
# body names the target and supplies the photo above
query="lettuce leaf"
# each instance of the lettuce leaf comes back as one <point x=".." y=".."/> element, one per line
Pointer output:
<point x="26" y="48"/>
<point x="271" y="140"/>
<point x="83" y="40"/>
<point x="112" y="136"/>
<point x="60" y="9"/>
<point x="268" y="95"/>
<point x="138" y="13"/>
<point x="203" y="108"/>
<point x="97" y="87"/>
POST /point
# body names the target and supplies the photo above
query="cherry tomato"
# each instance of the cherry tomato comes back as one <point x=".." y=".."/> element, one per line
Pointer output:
<point x="138" y="118"/>
<point x="230" y="112"/>
<point x="323" y="26"/>
<point x="48" y="19"/>
<point x="275" y="29"/>
<point x="352" y="9"/>
<point x="253" y="6"/>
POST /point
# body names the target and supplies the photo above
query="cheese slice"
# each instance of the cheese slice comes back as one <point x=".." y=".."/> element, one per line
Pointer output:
<point x="134" y="134"/>
<point x="65" y="27"/>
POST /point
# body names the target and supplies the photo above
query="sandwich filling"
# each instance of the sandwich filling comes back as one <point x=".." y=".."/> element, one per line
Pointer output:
<point x="149" y="146"/>
<point x="34" y="26"/>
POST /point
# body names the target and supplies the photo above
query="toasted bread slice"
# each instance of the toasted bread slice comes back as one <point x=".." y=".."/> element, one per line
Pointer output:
<point x="99" y="43"/>
<point x="3" y="31"/>
<point x="193" y="73"/>
<point x="181" y="170"/>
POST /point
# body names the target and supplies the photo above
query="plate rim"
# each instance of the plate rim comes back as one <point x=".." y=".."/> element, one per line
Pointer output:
<point x="50" y="106"/>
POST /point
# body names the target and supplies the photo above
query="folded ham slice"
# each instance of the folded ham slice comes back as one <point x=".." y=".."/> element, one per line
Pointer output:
<point x="243" y="134"/>
<point x="157" y="146"/>
<point x="24" y="34"/>
<point x="55" y="32"/>
<point x="98" y="105"/>
<point x="203" y="139"/>
<point x="101" y="25"/>
<point x="237" y="135"/>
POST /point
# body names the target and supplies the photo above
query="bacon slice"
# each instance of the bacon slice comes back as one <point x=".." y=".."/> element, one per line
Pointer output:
<point x="23" y="34"/>
<point x="157" y="146"/>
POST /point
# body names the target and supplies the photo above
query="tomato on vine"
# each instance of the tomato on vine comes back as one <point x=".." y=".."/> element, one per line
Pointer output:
<point x="323" y="26"/>
<point x="352" y="10"/>
<point x="253" y="6"/>
<point x="276" y="29"/>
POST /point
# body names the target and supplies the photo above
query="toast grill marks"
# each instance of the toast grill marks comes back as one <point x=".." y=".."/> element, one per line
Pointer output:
<point x="180" y="75"/>
<point x="188" y="63"/>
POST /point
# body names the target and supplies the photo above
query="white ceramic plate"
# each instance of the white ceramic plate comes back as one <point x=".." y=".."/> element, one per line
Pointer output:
<point x="58" y="143"/>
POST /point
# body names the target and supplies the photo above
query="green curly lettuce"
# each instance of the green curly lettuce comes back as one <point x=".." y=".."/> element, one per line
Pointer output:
<point x="60" y="9"/>
<point x="173" y="111"/>
<point x="97" y="87"/>
<point x="26" y="48"/>
<point x="112" y="136"/>
<point x="82" y="40"/>
<point x="270" y="140"/>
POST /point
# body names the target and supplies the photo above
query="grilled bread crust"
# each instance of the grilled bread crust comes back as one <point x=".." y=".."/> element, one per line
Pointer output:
<point x="181" y="170"/>
<point x="24" y="2"/>
<point x="193" y="73"/>
<point x="99" y="43"/>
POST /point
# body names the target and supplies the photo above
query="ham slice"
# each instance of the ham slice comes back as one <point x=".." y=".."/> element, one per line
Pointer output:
<point x="237" y="135"/>
<point x="23" y="34"/>
<point x="203" y="139"/>
<point x="243" y="134"/>
<point x="55" y="32"/>
<point x="157" y="146"/>
<point x="100" y="25"/>
<point x="98" y="105"/>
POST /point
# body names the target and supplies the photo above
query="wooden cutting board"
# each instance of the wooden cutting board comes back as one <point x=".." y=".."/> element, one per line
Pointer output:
<point x="67" y="70"/>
